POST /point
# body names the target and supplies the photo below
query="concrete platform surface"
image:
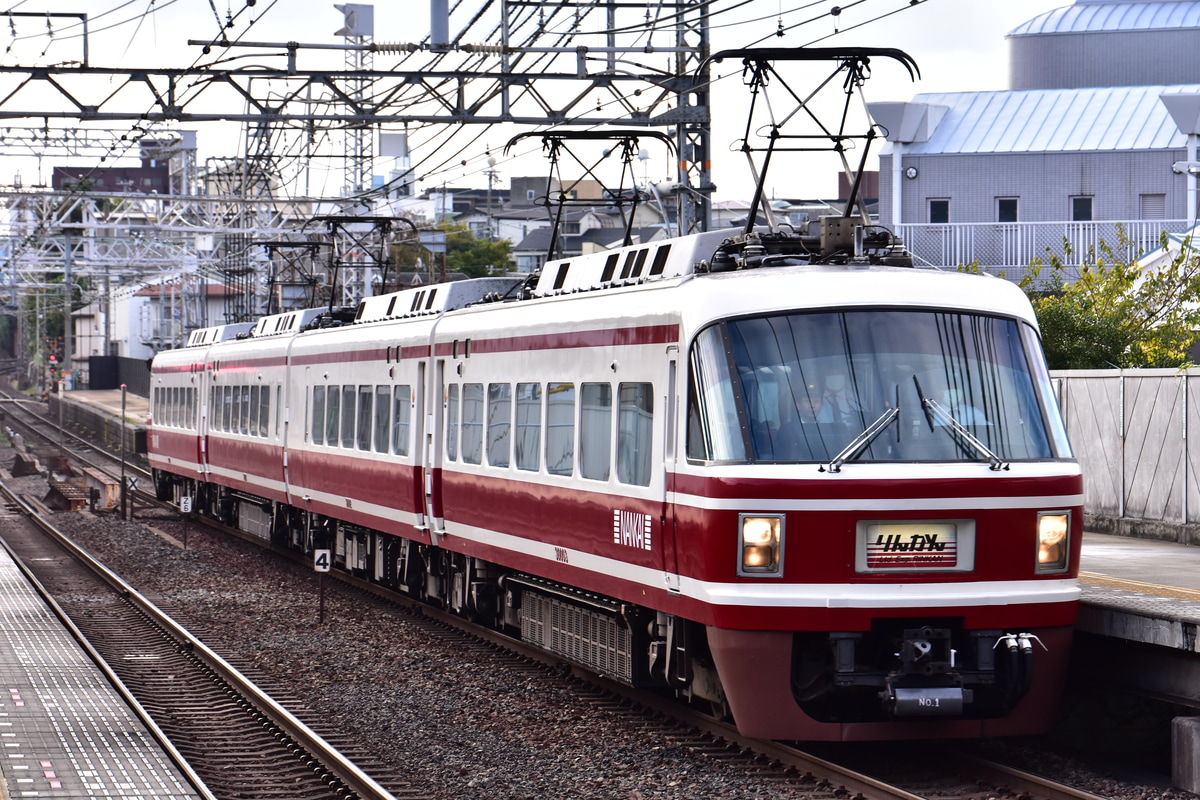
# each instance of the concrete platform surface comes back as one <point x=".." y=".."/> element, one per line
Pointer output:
<point x="65" y="732"/>
<point x="1141" y="590"/>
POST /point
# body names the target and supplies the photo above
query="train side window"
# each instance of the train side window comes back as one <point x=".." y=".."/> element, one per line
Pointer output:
<point x="348" y="393"/>
<point x="318" y="415"/>
<point x="278" y="408"/>
<point x="245" y="429"/>
<point x="635" y="432"/>
<point x="472" y="423"/>
<point x="235" y="408"/>
<point x="452" y="422"/>
<point x="175" y="415"/>
<point x="401" y="409"/>
<point x="366" y="399"/>
<point x="560" y="428"/>
<point x="191" y="407"/>
<point x="333" y="396"/>
<point x="214" y="409"/>
<point x="595" y="431"/>
<point x="383" y="422"/>
<point x="499" y="423"/>
<point x="528" y="440"/>
<point x="251" y="419"/>
<point x="264" y="412"/>
<point x="227" y="409"/>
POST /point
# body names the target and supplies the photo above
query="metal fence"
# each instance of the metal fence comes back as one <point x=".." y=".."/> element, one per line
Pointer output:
<point x="1129" y="430"/>
<point x="1010" y="246"/>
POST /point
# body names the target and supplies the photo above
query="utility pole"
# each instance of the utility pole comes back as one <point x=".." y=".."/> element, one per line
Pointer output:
<point x="66" y="355"/>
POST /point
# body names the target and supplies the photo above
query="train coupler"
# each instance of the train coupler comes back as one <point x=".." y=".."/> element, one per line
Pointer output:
<point x="927" y="683"/>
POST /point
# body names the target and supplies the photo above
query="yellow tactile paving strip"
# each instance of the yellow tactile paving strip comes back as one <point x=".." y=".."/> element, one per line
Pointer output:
<point x="1137" y="586"/>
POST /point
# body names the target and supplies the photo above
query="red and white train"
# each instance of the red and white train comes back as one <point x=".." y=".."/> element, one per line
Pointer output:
<point x="834" y="500"/>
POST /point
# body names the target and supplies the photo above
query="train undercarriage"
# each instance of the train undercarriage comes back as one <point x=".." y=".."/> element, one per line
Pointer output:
<point x="900" y="668"/>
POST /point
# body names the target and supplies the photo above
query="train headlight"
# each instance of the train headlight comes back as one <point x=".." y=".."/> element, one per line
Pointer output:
<point x="760" y="544"/>
<point x="1053" y="540"/>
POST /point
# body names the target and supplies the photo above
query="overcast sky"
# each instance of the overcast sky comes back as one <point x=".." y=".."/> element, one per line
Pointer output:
<point x="959" y="45"/>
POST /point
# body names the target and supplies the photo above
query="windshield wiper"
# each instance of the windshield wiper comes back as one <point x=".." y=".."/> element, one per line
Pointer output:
<point x="862" y="440"/>
<point x="935" y="409"/>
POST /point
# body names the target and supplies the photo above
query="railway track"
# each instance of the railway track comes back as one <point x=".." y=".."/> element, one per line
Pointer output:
<point x="782" y="766"/>
<point x="240" y="741"/>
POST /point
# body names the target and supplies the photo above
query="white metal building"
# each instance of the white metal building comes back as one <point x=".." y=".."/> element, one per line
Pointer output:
<point x="1087" y="138"/>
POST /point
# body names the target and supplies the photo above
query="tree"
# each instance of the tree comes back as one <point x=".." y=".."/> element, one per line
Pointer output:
<point x="1115" y="313"/>
<point x="475" y="257"/>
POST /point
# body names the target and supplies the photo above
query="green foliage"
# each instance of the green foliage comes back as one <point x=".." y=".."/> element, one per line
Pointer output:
<point x="1115" y="314"/>
<point x="475" y="257"/>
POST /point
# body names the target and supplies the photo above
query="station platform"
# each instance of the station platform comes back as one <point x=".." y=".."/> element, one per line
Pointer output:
<point x="98" y="413"/>
<point x="137" y="409"/>
<point x="1140" y="590"/>
<point x="65" y="732"/>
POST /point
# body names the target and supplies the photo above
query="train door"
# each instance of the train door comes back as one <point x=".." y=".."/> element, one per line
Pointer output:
<point x="432" y="453"/>
<point x="670" y="442"/>
<point x="200" y="417"/>
<point x="207" y="411"/>
<point x="423" y="429"/>
<point x="290" y="398"/>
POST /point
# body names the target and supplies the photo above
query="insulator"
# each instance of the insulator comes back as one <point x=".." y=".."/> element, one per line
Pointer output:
<point x="394" y="47"/>
<point x="486" y="49"/>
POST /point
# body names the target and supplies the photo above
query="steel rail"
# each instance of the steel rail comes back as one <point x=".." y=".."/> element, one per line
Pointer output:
<point x="138" y="709"/>
<point x="345" y="770"/>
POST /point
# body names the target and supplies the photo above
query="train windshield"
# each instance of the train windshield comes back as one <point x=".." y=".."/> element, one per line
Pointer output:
<point x="805" y="386"/>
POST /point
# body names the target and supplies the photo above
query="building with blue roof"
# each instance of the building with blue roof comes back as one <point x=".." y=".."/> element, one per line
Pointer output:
<point x="1094" y="133"/>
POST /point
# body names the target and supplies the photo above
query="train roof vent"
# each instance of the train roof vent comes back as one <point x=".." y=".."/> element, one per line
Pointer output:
<point x="435" y="298"/>
<point x="217" y="333"/>
<point x="626" y="266"/>
<point x="286" y="324"/>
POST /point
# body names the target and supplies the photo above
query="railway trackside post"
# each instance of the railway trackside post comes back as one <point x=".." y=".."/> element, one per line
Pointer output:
<point x="124" y="516"/>
<point x="321" y="565"/>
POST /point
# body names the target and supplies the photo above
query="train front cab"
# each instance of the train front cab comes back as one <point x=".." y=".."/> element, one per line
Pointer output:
<point x="906" y="552"/>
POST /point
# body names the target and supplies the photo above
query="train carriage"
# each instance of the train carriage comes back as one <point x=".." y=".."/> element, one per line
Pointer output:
<point x="832" y="501"/>
<point x="179" y="387"/>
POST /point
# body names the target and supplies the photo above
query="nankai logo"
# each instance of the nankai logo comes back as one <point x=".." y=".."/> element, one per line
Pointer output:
<point x="632" y="529"/>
